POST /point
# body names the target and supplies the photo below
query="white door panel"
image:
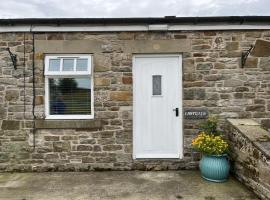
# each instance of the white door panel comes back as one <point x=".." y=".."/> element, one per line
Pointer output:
<point x="157" y="129"/>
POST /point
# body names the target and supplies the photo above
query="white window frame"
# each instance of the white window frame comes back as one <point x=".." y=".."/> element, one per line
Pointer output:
<point x="68" y="74"/>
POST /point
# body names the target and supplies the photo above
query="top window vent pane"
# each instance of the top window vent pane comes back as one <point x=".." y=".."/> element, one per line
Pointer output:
<point x="68" y="64"/>
<point x="73" y="65"/>
<point x="54" y="65"/>
<point x="82" y="64"/>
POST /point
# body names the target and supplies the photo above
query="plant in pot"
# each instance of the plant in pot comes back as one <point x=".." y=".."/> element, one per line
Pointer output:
<point x="214" y="165"/>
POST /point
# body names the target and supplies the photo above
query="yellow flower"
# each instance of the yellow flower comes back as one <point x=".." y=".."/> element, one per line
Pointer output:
<point x="209" y="144"/>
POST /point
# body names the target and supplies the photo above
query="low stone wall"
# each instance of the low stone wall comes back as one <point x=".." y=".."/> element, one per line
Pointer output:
<point x="251" y="155"/>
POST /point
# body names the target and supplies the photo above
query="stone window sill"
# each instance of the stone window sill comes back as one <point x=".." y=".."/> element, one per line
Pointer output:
<point x="69" y="124"/>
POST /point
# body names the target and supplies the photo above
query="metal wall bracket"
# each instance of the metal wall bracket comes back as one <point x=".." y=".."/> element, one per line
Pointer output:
<point x="13" y="58"/>
<point x="244" y="56"/>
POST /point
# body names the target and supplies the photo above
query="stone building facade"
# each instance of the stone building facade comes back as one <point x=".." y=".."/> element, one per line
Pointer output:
<point x="213" y="78"/>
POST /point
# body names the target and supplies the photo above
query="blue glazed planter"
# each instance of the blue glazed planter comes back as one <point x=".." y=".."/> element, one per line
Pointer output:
<point x="215" y="168"/>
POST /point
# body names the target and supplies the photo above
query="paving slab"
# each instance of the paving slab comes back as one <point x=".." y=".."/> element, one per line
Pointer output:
<point x="119" y="185"/>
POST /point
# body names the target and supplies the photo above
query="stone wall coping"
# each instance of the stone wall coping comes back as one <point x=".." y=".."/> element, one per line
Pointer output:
<point x="253" y="132"/>
<point x="239" y="122"/>
<point x="68" y="124"/>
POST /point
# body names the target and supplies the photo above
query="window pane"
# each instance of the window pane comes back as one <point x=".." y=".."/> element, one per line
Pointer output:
<point x="54" y="65"/>
<point x="70" y="96"/>
<point x="156" y="85"/>
<point x="68" y="64"/>
<point x="82" y="64"/>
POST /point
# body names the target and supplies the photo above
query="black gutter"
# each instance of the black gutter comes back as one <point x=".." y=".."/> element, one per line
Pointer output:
<point x="125" y="21"/>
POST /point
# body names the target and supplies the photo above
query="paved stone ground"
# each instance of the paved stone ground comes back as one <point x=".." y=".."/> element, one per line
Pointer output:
<point x="169" y="185"/>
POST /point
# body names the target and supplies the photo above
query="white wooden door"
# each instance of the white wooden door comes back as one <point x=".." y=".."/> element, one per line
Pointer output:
<point x="157" y="93"/>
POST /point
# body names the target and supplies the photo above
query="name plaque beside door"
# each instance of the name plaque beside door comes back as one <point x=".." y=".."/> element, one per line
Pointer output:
<point x="195" y="113"/>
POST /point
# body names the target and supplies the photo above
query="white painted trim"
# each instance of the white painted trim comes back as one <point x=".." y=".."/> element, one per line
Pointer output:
<point x="61" y="57"/>
<point x="180" y="136"/>
<point x="158" y="27"/>
<point x="218" y="27"/>
<point x="47" y="109"/>
<point x="160" y="156"/>
<point x="70" y="117"/>
<point x="133" y="109"/>
<point x="115" y="28"/>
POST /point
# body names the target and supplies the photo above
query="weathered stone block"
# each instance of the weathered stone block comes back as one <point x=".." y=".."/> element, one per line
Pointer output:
<point x="126" y="36"/>
<point x="12" y="95"/>
<point x="106" y="160"/>
<point x="102" y="63"/>
<point x="39" y="56"/>
<point x="177" y="36"/>
<point x="259" y="108"/>
<point x="88" y="160"/>
<point x="213" y="77"/>
<point x="28" y="48"/>
<point x="3" y="112"/>
<point x="107" y="114"/>
<point x="238" y="95"/>
<point x="39" y="100"/>
<point x="10" y="125"/>
<point x="259" y="101"/>
<point x="230" y="46"/>
<point x="249" y="95"/>
<point x="233" y="83"/>
<point x="84" y="148"/>
<point x="188" y="65"/>
<point x="120" y="96"/>
<point x="87" y="141"/>
<point x="266" y="123"/>
<point x="51" y="138"/>
<point x="194" y="94"/>
<point x="253" y="34"/>
<point x="112" y="147"/>
<point x="61" y="146"/>
<point x="97" y="148"/>
<point x="55" y="36"/>
<point x="241" y="89"/>
<point x="192" y="77"/>
<point x="265" y="64"/>
<point x="52" y="158"/>
<point x="225" y="96"/>
<point x="37" y="156"/>
<point x="251" y="62"/>
<point x="204" y="66"/>
<point x="201" y="47"/>
<point x="102" y="82"/>
<point x="4" y="157"/>
<point x="212" y="96"/>
<point x="69" y="137"/>
<point x="219" y="65"/>
<point x="127" y="80"/>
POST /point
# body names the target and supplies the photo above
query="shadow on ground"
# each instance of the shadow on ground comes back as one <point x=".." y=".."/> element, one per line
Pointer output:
<point x="120" y="185"/>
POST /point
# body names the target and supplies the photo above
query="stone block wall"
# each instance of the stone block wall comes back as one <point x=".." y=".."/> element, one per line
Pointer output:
<point x="250" y="152"/>
<point x="212" y="78"/>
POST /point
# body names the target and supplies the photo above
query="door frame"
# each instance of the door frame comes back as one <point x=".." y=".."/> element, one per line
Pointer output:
<point x="181" y="135"/>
